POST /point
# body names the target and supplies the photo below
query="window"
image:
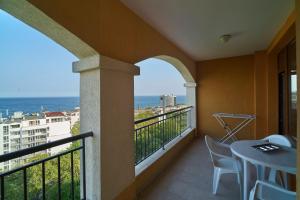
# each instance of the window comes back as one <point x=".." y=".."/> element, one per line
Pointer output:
<point x="5" y="139"/>
<point x="15" y="126"/>
<point x="5" y="130"/>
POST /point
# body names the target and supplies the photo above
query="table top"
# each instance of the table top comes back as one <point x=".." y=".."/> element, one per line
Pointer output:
<point x="283" y="159"/>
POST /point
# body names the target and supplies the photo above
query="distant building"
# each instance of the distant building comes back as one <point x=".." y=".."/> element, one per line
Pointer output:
<point x="74" y="116"/>
<point x="167" y="100"/>
<point x="23" y="131"/>
<point x="58" y="128"/>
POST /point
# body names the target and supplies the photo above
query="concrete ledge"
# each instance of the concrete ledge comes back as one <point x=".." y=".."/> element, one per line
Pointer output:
<point x="104" y="63"/>
<point x="150" y="168"/>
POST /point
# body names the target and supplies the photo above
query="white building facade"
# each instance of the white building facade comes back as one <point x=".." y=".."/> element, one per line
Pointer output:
<point x="59" y="128"/>
<point x="21" y="131"/>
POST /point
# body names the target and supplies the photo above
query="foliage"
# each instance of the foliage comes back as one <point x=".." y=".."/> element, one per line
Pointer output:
<point x="151" y="136"/>
<point x="75" y="130"/>
<point x="14" y="182"/>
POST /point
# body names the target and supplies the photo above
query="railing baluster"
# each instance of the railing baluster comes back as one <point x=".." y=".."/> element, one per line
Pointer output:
<point x="2" y="187"/>
<point x="25" y="183"/>
<point x="163" y="132"/>
<point x="180" y="123"/>
<point x="158" y="131"/>
<point x="149" y="140"/>
<point x="83" y="168"/>
<point x="141" y="143"/>
<point x="169" y="129"/>
<point x="145" y="145"/>
<point x="72" y="176"/>
<point x="58" y="177"/>
<point x="43" y="181"/>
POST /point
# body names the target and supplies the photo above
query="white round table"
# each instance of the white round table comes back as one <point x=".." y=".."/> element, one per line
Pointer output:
<point x="283" y="159"/>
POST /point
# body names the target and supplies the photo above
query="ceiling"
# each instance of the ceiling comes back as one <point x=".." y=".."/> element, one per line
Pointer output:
<point x="196" y="25"/>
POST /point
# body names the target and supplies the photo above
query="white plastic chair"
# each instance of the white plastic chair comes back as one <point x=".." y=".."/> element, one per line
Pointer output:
<point x="222" y="160"/>
<point x="279" y="139"/>
<point x="284" y="141"/>
<point x="269" y="191"/>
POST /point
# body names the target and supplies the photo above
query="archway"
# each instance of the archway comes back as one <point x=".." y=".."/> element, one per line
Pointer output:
<point x="161" y="116"/>
<point x="189" y="82"/>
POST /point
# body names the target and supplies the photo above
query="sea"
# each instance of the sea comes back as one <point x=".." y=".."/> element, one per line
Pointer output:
<point x="37" y="104"/>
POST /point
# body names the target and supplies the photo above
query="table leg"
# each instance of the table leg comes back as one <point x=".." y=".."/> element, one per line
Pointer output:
<point x="245" y="180"/>
<point x="260" y="172"/>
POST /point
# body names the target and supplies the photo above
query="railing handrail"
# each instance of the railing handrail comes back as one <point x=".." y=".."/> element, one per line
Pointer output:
<point x="31" y="150"/>
<point x="160" y="115"/>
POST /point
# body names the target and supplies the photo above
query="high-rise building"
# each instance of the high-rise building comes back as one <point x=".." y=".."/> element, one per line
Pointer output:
<point x="167" y="100"/>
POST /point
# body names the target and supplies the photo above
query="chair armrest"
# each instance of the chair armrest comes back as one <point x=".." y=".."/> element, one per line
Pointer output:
<point x="271" y="186"/>
<point x="223" y="156"/>
<point x="225" y="145"/>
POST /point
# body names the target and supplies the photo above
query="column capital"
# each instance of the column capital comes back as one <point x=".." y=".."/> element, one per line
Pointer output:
<point x="104" y="63"/>
<point x="190" y="85"/>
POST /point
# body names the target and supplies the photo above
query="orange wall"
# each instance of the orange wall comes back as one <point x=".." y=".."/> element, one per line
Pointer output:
<point x="225" y="85"/>
<point x="112" y="30"/>
<point x="245" y="84"/>
<point x="260" y="91"/>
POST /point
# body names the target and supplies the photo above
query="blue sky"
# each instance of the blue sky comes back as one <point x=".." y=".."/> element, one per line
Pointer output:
<point x="32" y="65"/>
<point x="158" y="77"/>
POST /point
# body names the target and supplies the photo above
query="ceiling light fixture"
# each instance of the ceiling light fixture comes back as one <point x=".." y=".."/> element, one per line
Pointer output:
<point x="225" y="38"/>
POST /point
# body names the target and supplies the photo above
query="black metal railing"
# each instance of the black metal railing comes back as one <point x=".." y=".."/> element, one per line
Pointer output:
<point x="153" y="133"/>
<point x="29" y="181"/>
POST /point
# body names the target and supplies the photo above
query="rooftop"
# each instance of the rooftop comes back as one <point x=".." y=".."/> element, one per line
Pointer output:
<point x="54" y="114"/>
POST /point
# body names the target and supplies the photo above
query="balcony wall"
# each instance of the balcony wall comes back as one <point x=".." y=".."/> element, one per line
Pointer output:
<point x="245" y="85"/>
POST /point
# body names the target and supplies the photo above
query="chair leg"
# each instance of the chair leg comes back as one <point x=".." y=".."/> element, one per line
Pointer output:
<point x="272" y="176"/>
<point x="238" y="178"/>
<point x="285" y="180"/>
<point x="216" y="179"/>
<point x="261" y="171"/>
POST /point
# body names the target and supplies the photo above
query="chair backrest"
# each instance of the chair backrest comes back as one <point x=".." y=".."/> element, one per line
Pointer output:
<point x="279" y="139"/>
<point x="265" y="190"/>
<point x="216" y="150"/>
<point x="210" y="145"/>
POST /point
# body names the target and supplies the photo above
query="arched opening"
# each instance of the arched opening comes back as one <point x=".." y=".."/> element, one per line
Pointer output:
<point x="35" y="135"/>
<point x="164" y="105"/>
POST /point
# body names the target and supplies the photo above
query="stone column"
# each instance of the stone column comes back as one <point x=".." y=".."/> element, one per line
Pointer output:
<point x="191" y="101"/>
<point x="107" y="109"/>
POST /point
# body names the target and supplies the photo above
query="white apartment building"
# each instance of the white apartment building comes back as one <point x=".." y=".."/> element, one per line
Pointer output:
<point x="59" y="128"/>
<point x="21" y="131"/>
<point x="73" y="116"/>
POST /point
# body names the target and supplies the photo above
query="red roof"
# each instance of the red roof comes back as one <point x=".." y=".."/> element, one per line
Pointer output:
<point x="54" y="114"/>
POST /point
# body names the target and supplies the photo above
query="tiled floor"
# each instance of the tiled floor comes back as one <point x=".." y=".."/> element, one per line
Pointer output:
<point x="190" y="178"/>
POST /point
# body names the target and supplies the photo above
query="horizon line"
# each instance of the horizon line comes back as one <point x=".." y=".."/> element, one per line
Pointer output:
<point x="141" y="95"/>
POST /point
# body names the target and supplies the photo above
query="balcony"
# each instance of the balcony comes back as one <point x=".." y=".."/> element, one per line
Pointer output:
<point x="235" y="57"/>
<point x="153" y="138"/>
